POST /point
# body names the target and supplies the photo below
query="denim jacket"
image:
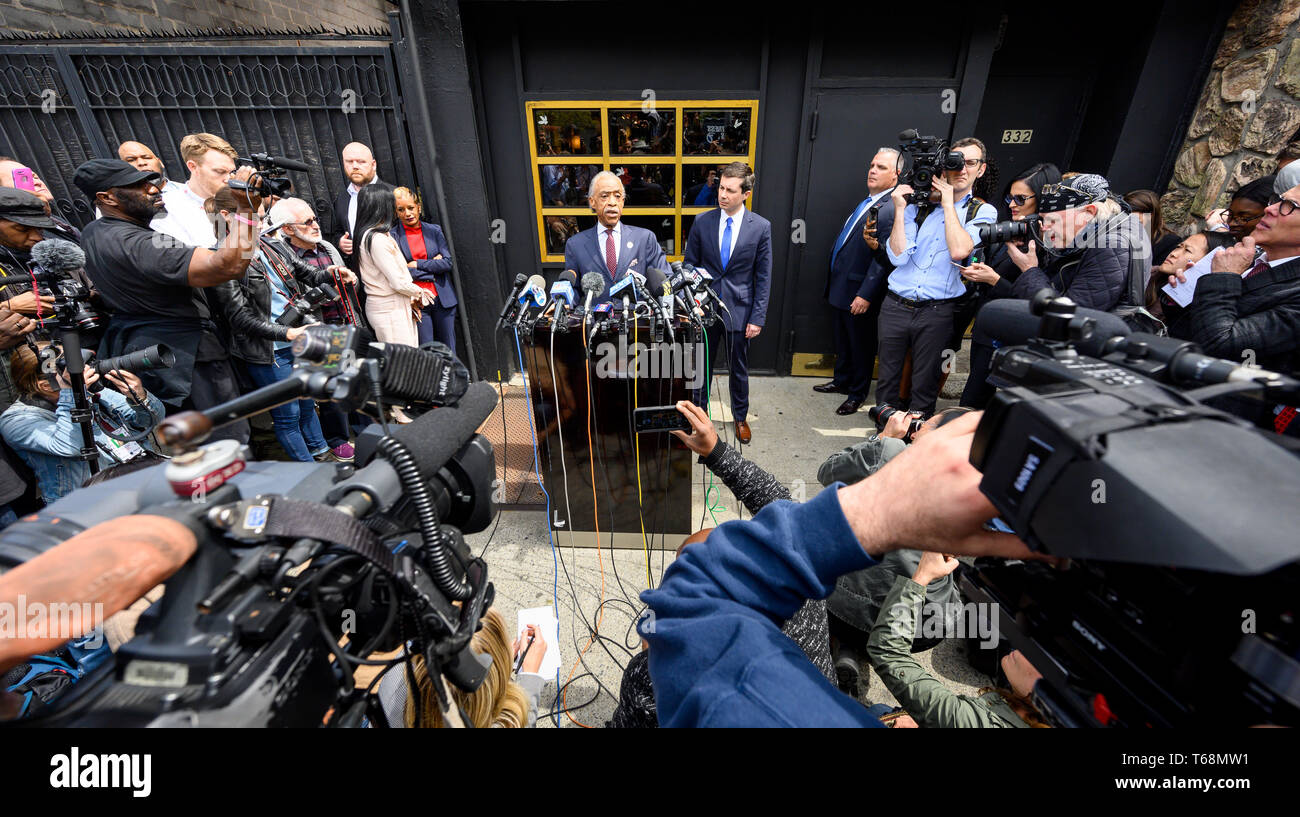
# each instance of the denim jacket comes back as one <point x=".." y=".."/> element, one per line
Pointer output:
<point x="49" y="441"/>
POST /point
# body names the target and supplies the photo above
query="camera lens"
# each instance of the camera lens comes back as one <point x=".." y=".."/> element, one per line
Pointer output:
<point x="313" y="344"/>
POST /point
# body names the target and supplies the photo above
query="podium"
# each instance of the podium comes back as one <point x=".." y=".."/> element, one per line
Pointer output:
<point x="588" y="451"/>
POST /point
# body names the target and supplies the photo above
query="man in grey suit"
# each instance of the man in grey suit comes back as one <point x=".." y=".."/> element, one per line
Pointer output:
<point x="612" y="247"/>
<point x="735" y="246"/>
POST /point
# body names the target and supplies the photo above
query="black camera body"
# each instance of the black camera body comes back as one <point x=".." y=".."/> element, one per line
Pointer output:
<point x="1005" y="232"/>
<point x="1177" y="604"/>
<point x="880" y="416"/>
<point x="927" y="157"/>
<point x="269" y="180"/>
<point x="306" y="304"/>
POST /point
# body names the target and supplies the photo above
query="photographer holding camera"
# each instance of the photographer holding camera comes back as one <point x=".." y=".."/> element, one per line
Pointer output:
<point x="40" y="426"/>
<point x="149" y="279"/>
<point x="1100" y="254"/>
<point x="927" y="247"/>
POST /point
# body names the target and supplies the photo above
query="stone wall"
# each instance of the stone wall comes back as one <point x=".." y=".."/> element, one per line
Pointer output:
<point x="1248" y="111"/>
<point x="64" y="16"/>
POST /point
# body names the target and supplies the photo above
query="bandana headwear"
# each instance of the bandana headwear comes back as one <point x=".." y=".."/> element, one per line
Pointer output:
<point x="1086" y="188"/>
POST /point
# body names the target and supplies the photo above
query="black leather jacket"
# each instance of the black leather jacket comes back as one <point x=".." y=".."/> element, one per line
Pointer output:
<point x="245" y="304"/>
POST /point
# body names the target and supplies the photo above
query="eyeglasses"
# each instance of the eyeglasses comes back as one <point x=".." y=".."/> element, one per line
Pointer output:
<point x="311" y="222"/>
<point x="971" y="164"/>
<point x="1285" y="207"/>
<point x="1019" y="201"/>
<point x="1244" y="218"/>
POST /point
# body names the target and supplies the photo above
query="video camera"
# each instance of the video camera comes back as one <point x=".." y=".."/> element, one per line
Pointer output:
<point x="1177" y="604"/>
<point x="926" y="157"/>
<point x="293" y="556"/>
<point x="269" y="179"/>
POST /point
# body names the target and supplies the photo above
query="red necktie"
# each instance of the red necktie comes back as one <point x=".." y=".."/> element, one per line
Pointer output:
<point x="611" y="259"/>
<point x="1260" y="266"/>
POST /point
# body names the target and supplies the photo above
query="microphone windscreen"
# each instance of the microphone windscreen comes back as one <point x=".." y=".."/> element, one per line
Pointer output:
<point x="570" y="277"/>
<point x="1008" y="322"/>
<point x="58" y="255"/>
<point x="654" y="279"/>
<point x="436" y="436"/>
<point x="593" y="282"/>
<point x="537" y="281"/>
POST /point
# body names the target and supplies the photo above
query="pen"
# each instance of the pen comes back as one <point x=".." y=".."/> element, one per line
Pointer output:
<point x="524" y="654"/>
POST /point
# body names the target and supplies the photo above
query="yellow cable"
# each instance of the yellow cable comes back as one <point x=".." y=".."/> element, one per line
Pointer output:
<point x="636" y="441"/>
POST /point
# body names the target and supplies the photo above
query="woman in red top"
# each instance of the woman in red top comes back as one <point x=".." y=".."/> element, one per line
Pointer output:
<point x="429" y="259"/>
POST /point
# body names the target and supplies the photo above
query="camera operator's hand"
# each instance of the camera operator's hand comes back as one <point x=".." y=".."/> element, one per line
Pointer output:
<point x="703" y="437"/>
<point x="345" y="244"/>
<point x="1025" y="259"/>
<point x="896" y="425"/>
<point x="1235" y="259"/>
<point x="533" y="660"/>
<point x="980" y="273"/>
<point x="345" y="275"/>
<point x="89" y="374"/>
<point x="247" y="198"/>
<point x="934" y="566"/>
<point x="26" y="303"/>
<point x="126" y="383"/>
<point x="899" y="196"/>
<point x="944" y="190"/>
<point x="896" y="508"/>
<point x="1021" y="674"/>
<point x="859" y="306"/>
<point x="13" y="328"/>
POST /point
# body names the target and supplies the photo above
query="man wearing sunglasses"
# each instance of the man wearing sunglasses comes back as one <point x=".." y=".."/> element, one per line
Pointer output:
<point x="1248" y="307"/>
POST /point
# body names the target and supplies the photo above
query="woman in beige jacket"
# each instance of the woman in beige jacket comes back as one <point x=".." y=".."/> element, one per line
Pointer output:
<point x="391" y="295"/>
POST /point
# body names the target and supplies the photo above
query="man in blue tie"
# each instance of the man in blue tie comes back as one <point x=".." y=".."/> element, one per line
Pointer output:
<point x="735" y="246"/>
<point x="855" y="286"/>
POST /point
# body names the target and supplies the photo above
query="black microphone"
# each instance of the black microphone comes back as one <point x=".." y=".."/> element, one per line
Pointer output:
<point x="593" y="283"/>
<point x="512" y="301"/>
<point x="287" y="164"/>
<point x="660" y="290"/>
<point x="1009" y="322"/>
<point x="436" y="436"/>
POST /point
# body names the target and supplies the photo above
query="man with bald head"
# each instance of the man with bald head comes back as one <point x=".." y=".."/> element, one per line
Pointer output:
<point x="612" y="248"/>
<point x="360" y="167"/>
<point x="141" y="157"/>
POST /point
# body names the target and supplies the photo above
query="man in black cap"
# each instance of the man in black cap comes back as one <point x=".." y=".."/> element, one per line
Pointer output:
<point x="23" y="217"/>
<point x="148" y="280"/>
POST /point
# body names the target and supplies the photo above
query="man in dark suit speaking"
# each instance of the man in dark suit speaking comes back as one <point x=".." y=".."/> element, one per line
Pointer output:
<point x="735" y="246"/>
<point x="856" y="284"/>
<point x="612" y="247"/>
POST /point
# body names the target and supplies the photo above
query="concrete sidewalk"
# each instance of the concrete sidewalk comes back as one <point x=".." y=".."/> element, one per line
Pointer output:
<point x="794" y="430"/>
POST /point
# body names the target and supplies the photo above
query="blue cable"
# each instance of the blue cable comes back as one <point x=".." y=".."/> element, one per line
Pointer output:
<point x="555" y="566"/>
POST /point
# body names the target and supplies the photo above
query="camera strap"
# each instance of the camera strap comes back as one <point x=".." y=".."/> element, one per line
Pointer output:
<point x="274" y="515"/>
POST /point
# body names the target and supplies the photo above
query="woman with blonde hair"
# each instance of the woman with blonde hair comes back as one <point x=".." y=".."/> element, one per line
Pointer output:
<point x="499" y="702"/>
<point x="391" y="295"/>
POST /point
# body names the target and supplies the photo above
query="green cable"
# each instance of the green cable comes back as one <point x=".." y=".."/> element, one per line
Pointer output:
<point x="708" y="385"/>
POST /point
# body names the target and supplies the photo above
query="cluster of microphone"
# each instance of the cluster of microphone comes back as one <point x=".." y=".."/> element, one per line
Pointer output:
<point x="683" y="293"/>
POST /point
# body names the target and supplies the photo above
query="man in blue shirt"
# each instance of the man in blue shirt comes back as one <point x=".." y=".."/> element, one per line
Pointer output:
<point x="923" y="290"/>
<point x="717" y="653"/>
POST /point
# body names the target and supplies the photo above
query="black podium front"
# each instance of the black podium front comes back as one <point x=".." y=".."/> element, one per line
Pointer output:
<point x="640" y="497"/>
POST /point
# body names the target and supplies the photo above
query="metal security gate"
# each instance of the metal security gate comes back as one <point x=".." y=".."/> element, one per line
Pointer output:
<point x="63" y="102"/>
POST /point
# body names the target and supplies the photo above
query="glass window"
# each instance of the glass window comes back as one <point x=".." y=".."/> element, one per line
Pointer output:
<point x="566" y="185"/>
<point x="567" y="131"/>
<point x="560" y="229"/>
<point x="648" y="185"/>
<point x="716" y="131"/>
<point x="642" y="133"/>
<point x="664" y="228"/>
<point x="700" y="185"/>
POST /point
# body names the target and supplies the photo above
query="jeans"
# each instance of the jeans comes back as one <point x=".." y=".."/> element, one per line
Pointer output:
<point x="296" y="425"/>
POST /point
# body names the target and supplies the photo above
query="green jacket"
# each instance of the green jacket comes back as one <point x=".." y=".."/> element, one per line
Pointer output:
<point x="926" y="699"/>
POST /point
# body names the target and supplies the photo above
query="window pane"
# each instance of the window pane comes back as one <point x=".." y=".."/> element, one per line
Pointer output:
<point x="661" y="226"/>
<point x="567" y="132"/>
<point x="560" y="228"/>
<point x="648" y="185"/>
<point x="639" y="133"/>
<point x="566" y="185"/>
<point x="722" y="131"/>
<point x="701" y="185"/>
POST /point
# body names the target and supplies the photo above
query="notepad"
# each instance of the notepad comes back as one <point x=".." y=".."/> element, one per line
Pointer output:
<point x="544" y="619"/>
<point x="1182" y="294"/>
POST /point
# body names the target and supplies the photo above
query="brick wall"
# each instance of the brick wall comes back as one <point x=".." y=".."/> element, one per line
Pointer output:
<point x="62" y="16"/>
<point x="1249" y="110"/>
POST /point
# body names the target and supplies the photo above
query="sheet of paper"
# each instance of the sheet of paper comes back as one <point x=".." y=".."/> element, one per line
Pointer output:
<point x="544" y="619"/>
<point x="1182" y="294"/>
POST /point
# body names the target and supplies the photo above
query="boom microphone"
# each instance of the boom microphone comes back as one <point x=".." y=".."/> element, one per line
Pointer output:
<point x="1009" y="322"/>
<point x="277" y="161"/>
<point x="58" y="255"/>
<point x="435" y="437"/>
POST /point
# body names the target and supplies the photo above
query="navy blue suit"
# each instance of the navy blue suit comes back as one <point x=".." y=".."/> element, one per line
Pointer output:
<point x="743" y="285"/>
<point x="858" y="272"/>
<point x="585" y="252"/>
<point x="438" y="320"/>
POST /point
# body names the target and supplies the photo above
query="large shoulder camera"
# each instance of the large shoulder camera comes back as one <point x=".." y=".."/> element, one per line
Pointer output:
<point x="926" y="157"/>
<point x="1178" y="603"/>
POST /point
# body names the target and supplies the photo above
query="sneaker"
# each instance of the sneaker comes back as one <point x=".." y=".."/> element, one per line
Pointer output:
<point x="339" y="453"/>
<point x="848" y="672"/>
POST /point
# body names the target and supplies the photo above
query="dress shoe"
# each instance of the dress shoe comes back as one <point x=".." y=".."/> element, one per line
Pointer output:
<point x="742" y="431"/>
<point x="828" y="388"/>
<point x="849" y="406"/>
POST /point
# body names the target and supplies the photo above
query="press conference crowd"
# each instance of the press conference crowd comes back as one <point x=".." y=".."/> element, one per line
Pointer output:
<point x="771" y="622"/>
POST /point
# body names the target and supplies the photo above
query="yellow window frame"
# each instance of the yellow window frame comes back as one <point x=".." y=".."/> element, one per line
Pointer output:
<point x="605" y="160"/>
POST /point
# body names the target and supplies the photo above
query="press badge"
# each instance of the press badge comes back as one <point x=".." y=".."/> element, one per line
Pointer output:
<point x="124" y="451"/>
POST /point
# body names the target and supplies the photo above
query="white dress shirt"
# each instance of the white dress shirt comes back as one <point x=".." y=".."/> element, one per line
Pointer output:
<point x="735" y="230"/>
<point x="185" y="218"/>
<point x="353" y="190"/>
<point x="602" y="236"/>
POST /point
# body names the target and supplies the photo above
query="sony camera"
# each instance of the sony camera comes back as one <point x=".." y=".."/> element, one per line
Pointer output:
<point x="269" y="180"/>
<point x="926" y="157"/>
<point x="1172" y="600"/>
<point x="307" y="303"/>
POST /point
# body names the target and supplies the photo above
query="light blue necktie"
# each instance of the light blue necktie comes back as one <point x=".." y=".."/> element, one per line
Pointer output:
<point x="726" y="243"/>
